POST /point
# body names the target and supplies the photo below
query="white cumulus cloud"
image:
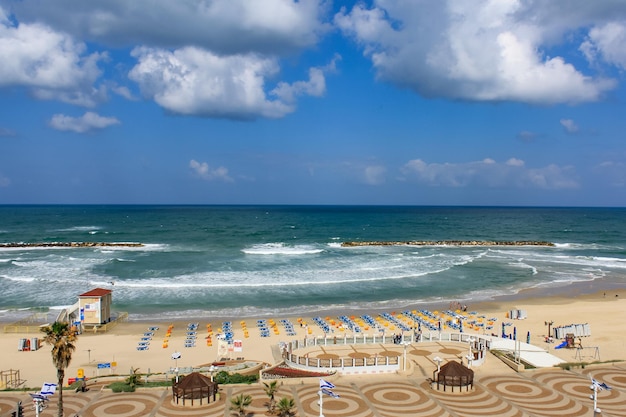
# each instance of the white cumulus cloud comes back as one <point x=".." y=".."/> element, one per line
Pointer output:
<point x="226" y="27"/>
<point x="488" y="173"/>
<point x="569" y="125"/>
<point x="480" y="50"/>
<point x="48" y="62"/>
<point x="607" y="41"/>
<point x="87" y="122"/>
<point x="204" y="171"/>
<point x="375" y="174"/>
<point x="192" y="81"/>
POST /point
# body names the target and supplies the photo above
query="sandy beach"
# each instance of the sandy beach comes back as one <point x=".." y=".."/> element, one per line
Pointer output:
<point x="602" y="311"/>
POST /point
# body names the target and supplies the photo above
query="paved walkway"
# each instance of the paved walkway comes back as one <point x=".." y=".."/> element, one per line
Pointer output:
<point x="531" y="354"/>
<point x="497" y="391"/>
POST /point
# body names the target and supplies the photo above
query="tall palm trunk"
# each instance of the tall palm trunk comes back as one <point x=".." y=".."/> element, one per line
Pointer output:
<point x="60" y="378"/>
<point x="62" y="339"/>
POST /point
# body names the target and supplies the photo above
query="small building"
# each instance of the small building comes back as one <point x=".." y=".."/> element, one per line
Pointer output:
<point x="95" y="306"/>
<point x="454" y="374"/>
<point x="194" y="390"/>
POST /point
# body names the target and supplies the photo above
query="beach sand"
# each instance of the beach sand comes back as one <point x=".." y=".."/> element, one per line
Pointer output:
<point x="604" y="312"/>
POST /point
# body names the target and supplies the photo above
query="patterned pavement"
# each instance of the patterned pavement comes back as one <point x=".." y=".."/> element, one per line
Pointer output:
<point x="547" y="392"/>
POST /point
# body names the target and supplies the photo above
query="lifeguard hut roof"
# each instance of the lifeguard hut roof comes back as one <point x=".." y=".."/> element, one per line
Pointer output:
<point x="96" y="292"/>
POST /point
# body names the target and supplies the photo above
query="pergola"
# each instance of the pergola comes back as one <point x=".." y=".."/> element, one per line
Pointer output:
<point x="194" y="387"/>
<point x="454" y="374"/>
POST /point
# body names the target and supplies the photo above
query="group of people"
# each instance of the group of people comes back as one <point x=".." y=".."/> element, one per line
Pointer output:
<point x="455" y="305"/>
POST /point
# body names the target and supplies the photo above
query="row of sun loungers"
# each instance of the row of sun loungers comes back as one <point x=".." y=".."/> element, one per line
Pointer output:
<point x="288" y="325"/>
<point x="191" y="335"/>
<point x="404" y="322"/>
<point x="144" y="342"/>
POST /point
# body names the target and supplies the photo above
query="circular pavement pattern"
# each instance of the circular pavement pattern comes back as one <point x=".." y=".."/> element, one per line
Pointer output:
<point x="540" y="393"/>
<point x="395" y="399"/>
<point x="350" y="404"/>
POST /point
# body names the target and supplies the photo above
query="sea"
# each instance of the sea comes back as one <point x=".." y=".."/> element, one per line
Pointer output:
<point x="274" y="261"/>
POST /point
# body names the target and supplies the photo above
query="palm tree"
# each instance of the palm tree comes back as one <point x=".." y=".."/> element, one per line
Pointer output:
<point x="270" y="390"/>
<point x="133" y="379"/>
<point x="285" y="407"/>
<point x="240" y="403"/>
<point x="62" y="339"/>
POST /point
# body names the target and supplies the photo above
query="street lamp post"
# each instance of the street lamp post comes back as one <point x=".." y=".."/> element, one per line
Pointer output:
<point x="549" y="324"/>
<point x="405" y="344"/>
<point x="595" y="387"/>
<point x="470" y="356"/>
<point x="438" y="360"/>
<point x="176" y="356"/>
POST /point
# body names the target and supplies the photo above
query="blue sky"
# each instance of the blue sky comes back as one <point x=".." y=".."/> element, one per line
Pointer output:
<point x="451" y="102"/>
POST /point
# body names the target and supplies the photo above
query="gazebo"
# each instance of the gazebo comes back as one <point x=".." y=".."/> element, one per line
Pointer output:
<point x="194" y="387"/>
<point x="454" y="374"/>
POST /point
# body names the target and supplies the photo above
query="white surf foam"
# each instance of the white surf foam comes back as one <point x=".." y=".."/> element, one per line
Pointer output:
<point x="281" y="249"/>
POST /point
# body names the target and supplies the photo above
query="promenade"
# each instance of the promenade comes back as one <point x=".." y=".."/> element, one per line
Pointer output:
<point x="498" y="390"/>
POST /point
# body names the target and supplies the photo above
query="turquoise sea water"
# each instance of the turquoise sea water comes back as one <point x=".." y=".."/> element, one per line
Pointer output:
<point x="225" y="261"/>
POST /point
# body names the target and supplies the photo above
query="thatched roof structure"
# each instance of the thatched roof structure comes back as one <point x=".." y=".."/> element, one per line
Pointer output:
<point x="194" y="386"/>
<point x="454" y="374"/>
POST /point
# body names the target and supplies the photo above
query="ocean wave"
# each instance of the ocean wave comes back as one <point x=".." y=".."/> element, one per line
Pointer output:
<point x="587" y="246"/>
<point x="524" y="265"/>
<point x="281" y="249"/>
<point x="79" y="229"/>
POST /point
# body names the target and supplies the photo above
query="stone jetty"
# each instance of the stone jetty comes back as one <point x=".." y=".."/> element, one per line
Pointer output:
<point x="70" y="244"/>
<point x="449" y="243"/>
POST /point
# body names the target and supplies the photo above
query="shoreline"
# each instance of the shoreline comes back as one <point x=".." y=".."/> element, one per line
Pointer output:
<point x="119" y="345"/>
<point x="569" y="291"/>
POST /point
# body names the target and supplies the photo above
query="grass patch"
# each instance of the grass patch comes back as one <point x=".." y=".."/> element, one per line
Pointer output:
<point x="120" y="386"/>
<point x="511" y="357"/>
<point x="572" y="365"/>
<point x="224" y="377"/>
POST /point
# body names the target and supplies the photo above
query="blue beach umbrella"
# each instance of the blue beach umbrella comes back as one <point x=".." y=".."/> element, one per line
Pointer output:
<point x="514" y="333"/>
<point x="528" y="337"/>
<point x="503" y="333"/>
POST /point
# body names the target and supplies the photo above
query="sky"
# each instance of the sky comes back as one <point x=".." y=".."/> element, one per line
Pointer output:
<point x="384" y="102"/>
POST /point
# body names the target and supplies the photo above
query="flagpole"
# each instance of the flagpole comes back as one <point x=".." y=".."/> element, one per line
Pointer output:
<point x="320" y="393"/>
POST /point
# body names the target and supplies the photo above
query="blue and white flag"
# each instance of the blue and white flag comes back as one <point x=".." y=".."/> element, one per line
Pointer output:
<point x="600" y="385"/>
<point x="329" y="393"/>
<point x="48" y="388"/>
<point x="326" y="384"/>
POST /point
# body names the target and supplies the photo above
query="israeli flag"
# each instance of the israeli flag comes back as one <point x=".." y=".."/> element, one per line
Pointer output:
<point x="600" y="385"/>
<point x="329" y="393"/>
<point x="48" y="388"/>
<point x="325" y="385"/>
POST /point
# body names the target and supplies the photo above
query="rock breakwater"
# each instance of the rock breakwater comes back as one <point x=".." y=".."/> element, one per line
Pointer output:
<point x="69" y="244"/>
<point x="449" y="243"/>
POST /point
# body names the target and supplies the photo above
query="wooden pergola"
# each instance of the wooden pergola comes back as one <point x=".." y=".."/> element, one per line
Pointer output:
<point x="454" y="374"/>
<point x="194" y="387"/>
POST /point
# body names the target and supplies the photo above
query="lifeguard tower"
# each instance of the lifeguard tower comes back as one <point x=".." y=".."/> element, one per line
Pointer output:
<point x="95" y="306"/>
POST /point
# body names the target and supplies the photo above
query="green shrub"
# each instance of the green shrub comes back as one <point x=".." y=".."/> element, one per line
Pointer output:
<point x="224" y="377"/>
<point x="121" y="387"/>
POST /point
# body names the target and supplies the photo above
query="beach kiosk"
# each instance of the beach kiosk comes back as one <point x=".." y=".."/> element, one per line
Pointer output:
<point x="95" y="306"/>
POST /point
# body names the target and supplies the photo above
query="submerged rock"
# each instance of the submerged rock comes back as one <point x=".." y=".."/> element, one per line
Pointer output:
<point x="69" y="244"/>
<point x="449" y="243"/>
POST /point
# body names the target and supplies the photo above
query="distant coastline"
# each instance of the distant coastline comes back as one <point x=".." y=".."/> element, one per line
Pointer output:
<point x="70" y="244"/>
<point x="449" y="243"/>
